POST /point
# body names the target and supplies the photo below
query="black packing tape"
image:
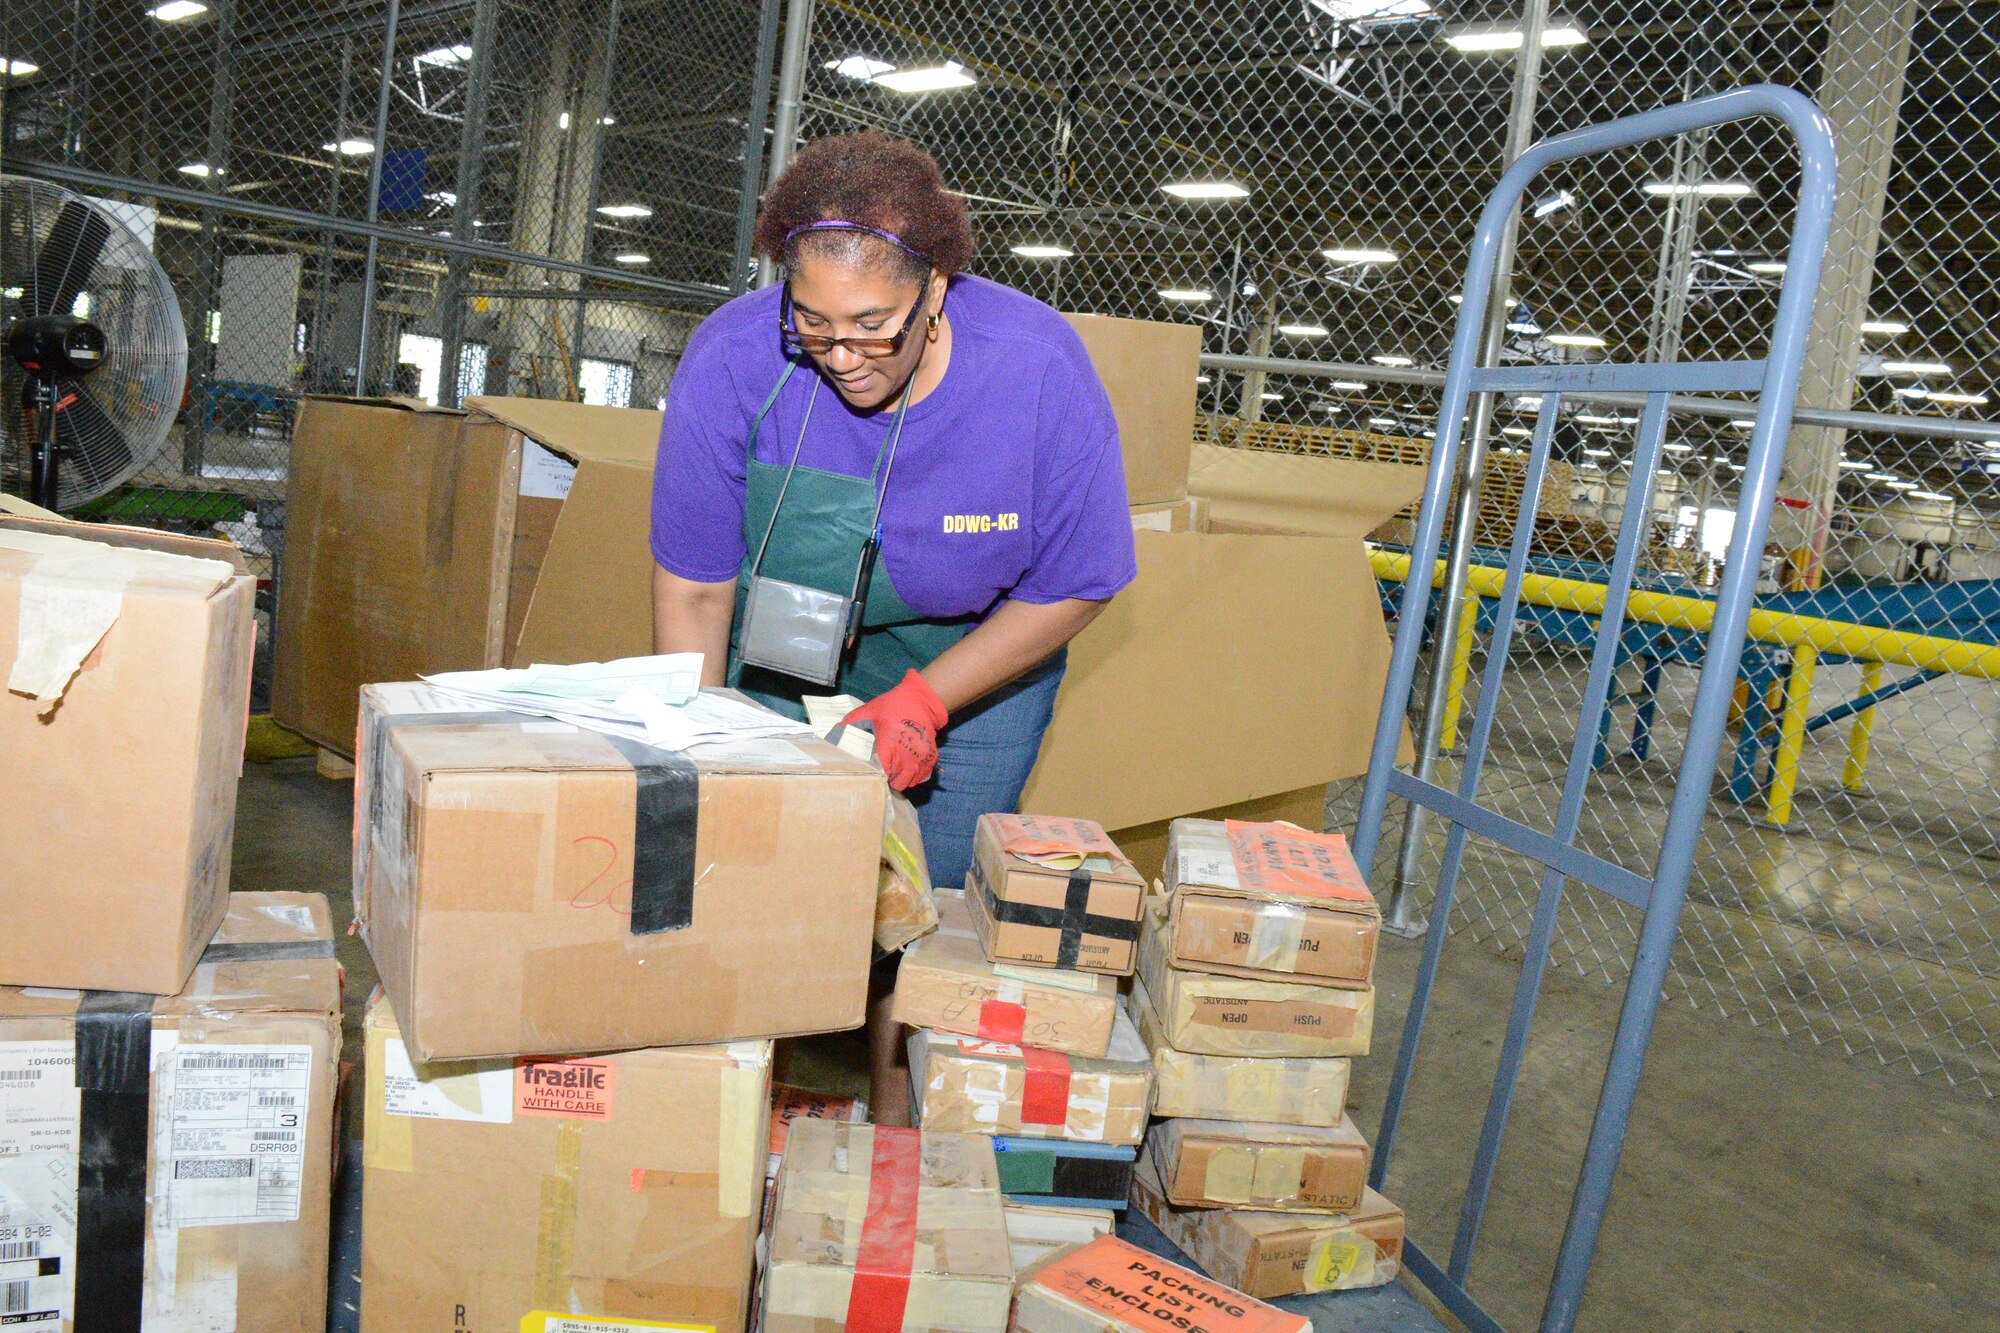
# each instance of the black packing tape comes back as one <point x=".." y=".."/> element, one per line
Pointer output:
<point x="1106" y="1180"/>
<point x="377" y="747"/>
<point x="114" y="1041"/>
<point x="1073" y="918"/>
<point x="267" y="953"/>
<point x="663" y="834"/>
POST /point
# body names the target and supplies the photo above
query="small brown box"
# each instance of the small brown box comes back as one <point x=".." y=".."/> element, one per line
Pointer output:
<point x="1269" y="900"/>
<point x="1271" y="1168"/>
<point x="1054" y="892"/>
<point x="970" y="1086"/>
<point x="1270" y="1255"/>
<point x="1237" y="1087"/>
<point x="946" y="981"/>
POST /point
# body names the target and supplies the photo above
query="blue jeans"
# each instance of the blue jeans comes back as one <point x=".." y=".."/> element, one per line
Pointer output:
<point x="984" y="758"/>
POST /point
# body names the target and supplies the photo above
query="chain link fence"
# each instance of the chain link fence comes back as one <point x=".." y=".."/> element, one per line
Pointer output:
<point x="1301" y="179"/>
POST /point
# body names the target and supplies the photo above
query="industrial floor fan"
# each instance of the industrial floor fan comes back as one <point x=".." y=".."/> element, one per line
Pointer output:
<point x="96" y="354"/>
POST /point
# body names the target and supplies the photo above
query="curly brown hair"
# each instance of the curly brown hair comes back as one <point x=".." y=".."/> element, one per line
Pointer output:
<point x="871" y="179"/>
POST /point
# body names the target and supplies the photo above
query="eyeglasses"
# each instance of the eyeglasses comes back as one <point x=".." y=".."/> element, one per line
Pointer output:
<point x="819" y="344"/>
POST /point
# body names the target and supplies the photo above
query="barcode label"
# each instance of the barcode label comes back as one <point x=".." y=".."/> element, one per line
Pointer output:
<point x="273" y="1135"/>
<point x="276" y="1099"/>
<point x="38" y="1097"/>
<point x="11" y="1250"/>
<point x="212" y="1168"/>
<point x="20" y="1075"/>
<point x="14" y="1297"/>
<point x="277" y="1062"/>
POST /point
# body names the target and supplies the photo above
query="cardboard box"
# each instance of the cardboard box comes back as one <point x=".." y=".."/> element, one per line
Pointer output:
<point x="946" y="982"/>
<point x="966" y="1085"/>
<point x="126" y="656"/>
<point x="872" y="1218"/>
<point x="1189" y="515"/>
<point x="418" y="537"/>
<point x="1146" y="844"/>
<point x="1269" y="900"/>
<point x="522" y="1194"/>
<point x="1222" y="1087"/>
<point x="495" y="876"/>
<point x="1271" y="1255"/>
<point x="1148" y="368"/>
<point x="1111" y="1286"/>
<point x="1056" y="1171"/>
<point x="1273" y="1168"/>
<point x="215" y="1156"/>
<point x="1054" y="892"/>
<point x="1205" y="1014"/>
<point x="1036" y="1230"/>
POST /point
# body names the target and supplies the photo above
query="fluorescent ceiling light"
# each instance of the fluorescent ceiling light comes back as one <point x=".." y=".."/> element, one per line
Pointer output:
<point x="1929" y="495"/>
<point x="1515" y="430"/>
<point x="349" y="147"/>
<point x="1879" y="476"/>
<point x="1742" y="425"/>
<point x="1206" y="190"/>
<point x="1766" y="266"/>
<point x="1678" y="448"/>
<point x="1033" y="250"/>
<point x="1736" y="467"/>
<point x="1597" y="453"/>
<point x="625" y="210"/>
<point x="1389" y="422"/>
<point x="1352" y="386"/>
<point x="1887" y="328"/>
<point x="1392" y="360"/>
<point x="1915" y="368"/>
<point x="445" y="197"/>
<point x="1484" y="41"/>
<point x="1855" y="465"/>
<point x="931" y="79"/>
<point x="1270" y="396"/>
<point x="1303" y="330"/>
<point x="632" y="257"/>
<point x="198" y="169"/>
<point x="1708" y="189"/>
<point x="1901" y="485"/>
<point x="1201" y="379"/>
<point x="1592" y="419"/>
<point x="177" y="11"/>
<point x="562" y="121"/>
<point x="444" y="55"/>
<point x="1187" y="294"/>
<point x="860" y="67"/>
<point x="1549" y="205"/>
<point x="1458" y="299"/>
<point x="1359" y="254"/>
<point x="18" y="69"/>
<point x="1941" y="396"/>
<point x="1576" y="340"/>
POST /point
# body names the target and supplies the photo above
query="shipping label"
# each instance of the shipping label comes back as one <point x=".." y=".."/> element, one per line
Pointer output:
<point x="545" y="473"/>
<point x="296" y="915"/>
<point x="231" y="1148"/>
<point x="481" y="1092"/>
<point x="38" y="1098"/>
<point x="567" y="1089"/>
<point x="544" y="1321"/>
<point x="37" y="1240"/>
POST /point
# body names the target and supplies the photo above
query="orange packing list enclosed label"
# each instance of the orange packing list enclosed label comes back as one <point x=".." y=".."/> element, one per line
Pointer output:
<point x="569" y="1089"/>
<point x="1284" y="858"/>
<point x="1053" y="835"/>
<point x="1140" y="1290"/>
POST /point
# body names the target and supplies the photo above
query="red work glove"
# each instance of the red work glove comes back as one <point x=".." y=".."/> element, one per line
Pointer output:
<point x="907" y="720"/>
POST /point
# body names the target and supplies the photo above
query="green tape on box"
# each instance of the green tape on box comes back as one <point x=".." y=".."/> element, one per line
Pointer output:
<point x="1026" y="1172"/>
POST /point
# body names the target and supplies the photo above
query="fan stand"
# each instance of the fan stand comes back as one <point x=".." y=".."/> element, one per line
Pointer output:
<point x="45" y="451"/>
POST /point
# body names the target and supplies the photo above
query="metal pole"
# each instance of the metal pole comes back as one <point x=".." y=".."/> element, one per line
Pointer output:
<point x="1402" y="918"/>
<point x="465" y="198"/>
<point x="753" y="145"/>
<point x="76" y="114"/>
<point x="1228" y="324"/>
<point x="221" y="108"/>
<point x="595" y="105"/>
<point x="375" y="195"/>
<point x="320" y="377"/>
<point x="791" y="86"/>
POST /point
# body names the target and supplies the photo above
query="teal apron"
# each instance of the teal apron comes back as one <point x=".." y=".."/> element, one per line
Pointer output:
<point x="817" y="542"/>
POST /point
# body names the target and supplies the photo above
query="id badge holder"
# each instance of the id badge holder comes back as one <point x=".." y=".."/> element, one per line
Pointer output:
<point x="800" y="631"/>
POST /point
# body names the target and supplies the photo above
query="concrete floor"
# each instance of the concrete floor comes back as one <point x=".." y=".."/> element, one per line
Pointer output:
<point x="1767" y="1185"/>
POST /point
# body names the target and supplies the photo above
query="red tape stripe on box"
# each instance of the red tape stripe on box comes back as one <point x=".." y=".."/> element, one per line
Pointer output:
<point x="1045" y="1096"/>
<point x="888" y="1235"/>
<point x="1001" y="1021"/>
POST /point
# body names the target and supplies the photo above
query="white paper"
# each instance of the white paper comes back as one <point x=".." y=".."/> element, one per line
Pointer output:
<point x="38" y="1097"/>
<point x="545" y="474"/>
<point x="483" y="1093"/>
<point x="37" y="1233"/>
<point x="231" y="1143"/>
<point x="296" y="915"/>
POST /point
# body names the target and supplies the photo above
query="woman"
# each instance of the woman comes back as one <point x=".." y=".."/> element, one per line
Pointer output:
<point x="885" y="427"/>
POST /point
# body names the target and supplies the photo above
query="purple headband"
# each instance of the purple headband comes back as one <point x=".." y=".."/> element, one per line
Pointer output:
<point x="836" y="224"/>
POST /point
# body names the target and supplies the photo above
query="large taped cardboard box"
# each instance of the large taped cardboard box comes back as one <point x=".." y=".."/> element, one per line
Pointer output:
<point x="946" y="982"/>
<point x="543" y="1195"/>
<point x="127" y="663"/>
<point x="1273" y="1168"/>
<point x="1146" y="844"/>
<point x="216" y="1152"/>
<point x="1148" y="368"/>
<point x="418" y="539"/>
<point x="967" y="1085"/>
<point x="1054" y="892"/>
<point x="1113" y="1286"/>
<point x="529" y="887"/>
<point x="1271" y="1255"/>
<point x="1205" y="1014"/>
<point x="1225" y="1087"/>
<point x="1269" y="900"/>
<point x="871" y="1218"/>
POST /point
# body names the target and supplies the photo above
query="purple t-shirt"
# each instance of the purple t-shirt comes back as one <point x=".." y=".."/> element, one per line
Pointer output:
<point x="1008" y="481"/>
